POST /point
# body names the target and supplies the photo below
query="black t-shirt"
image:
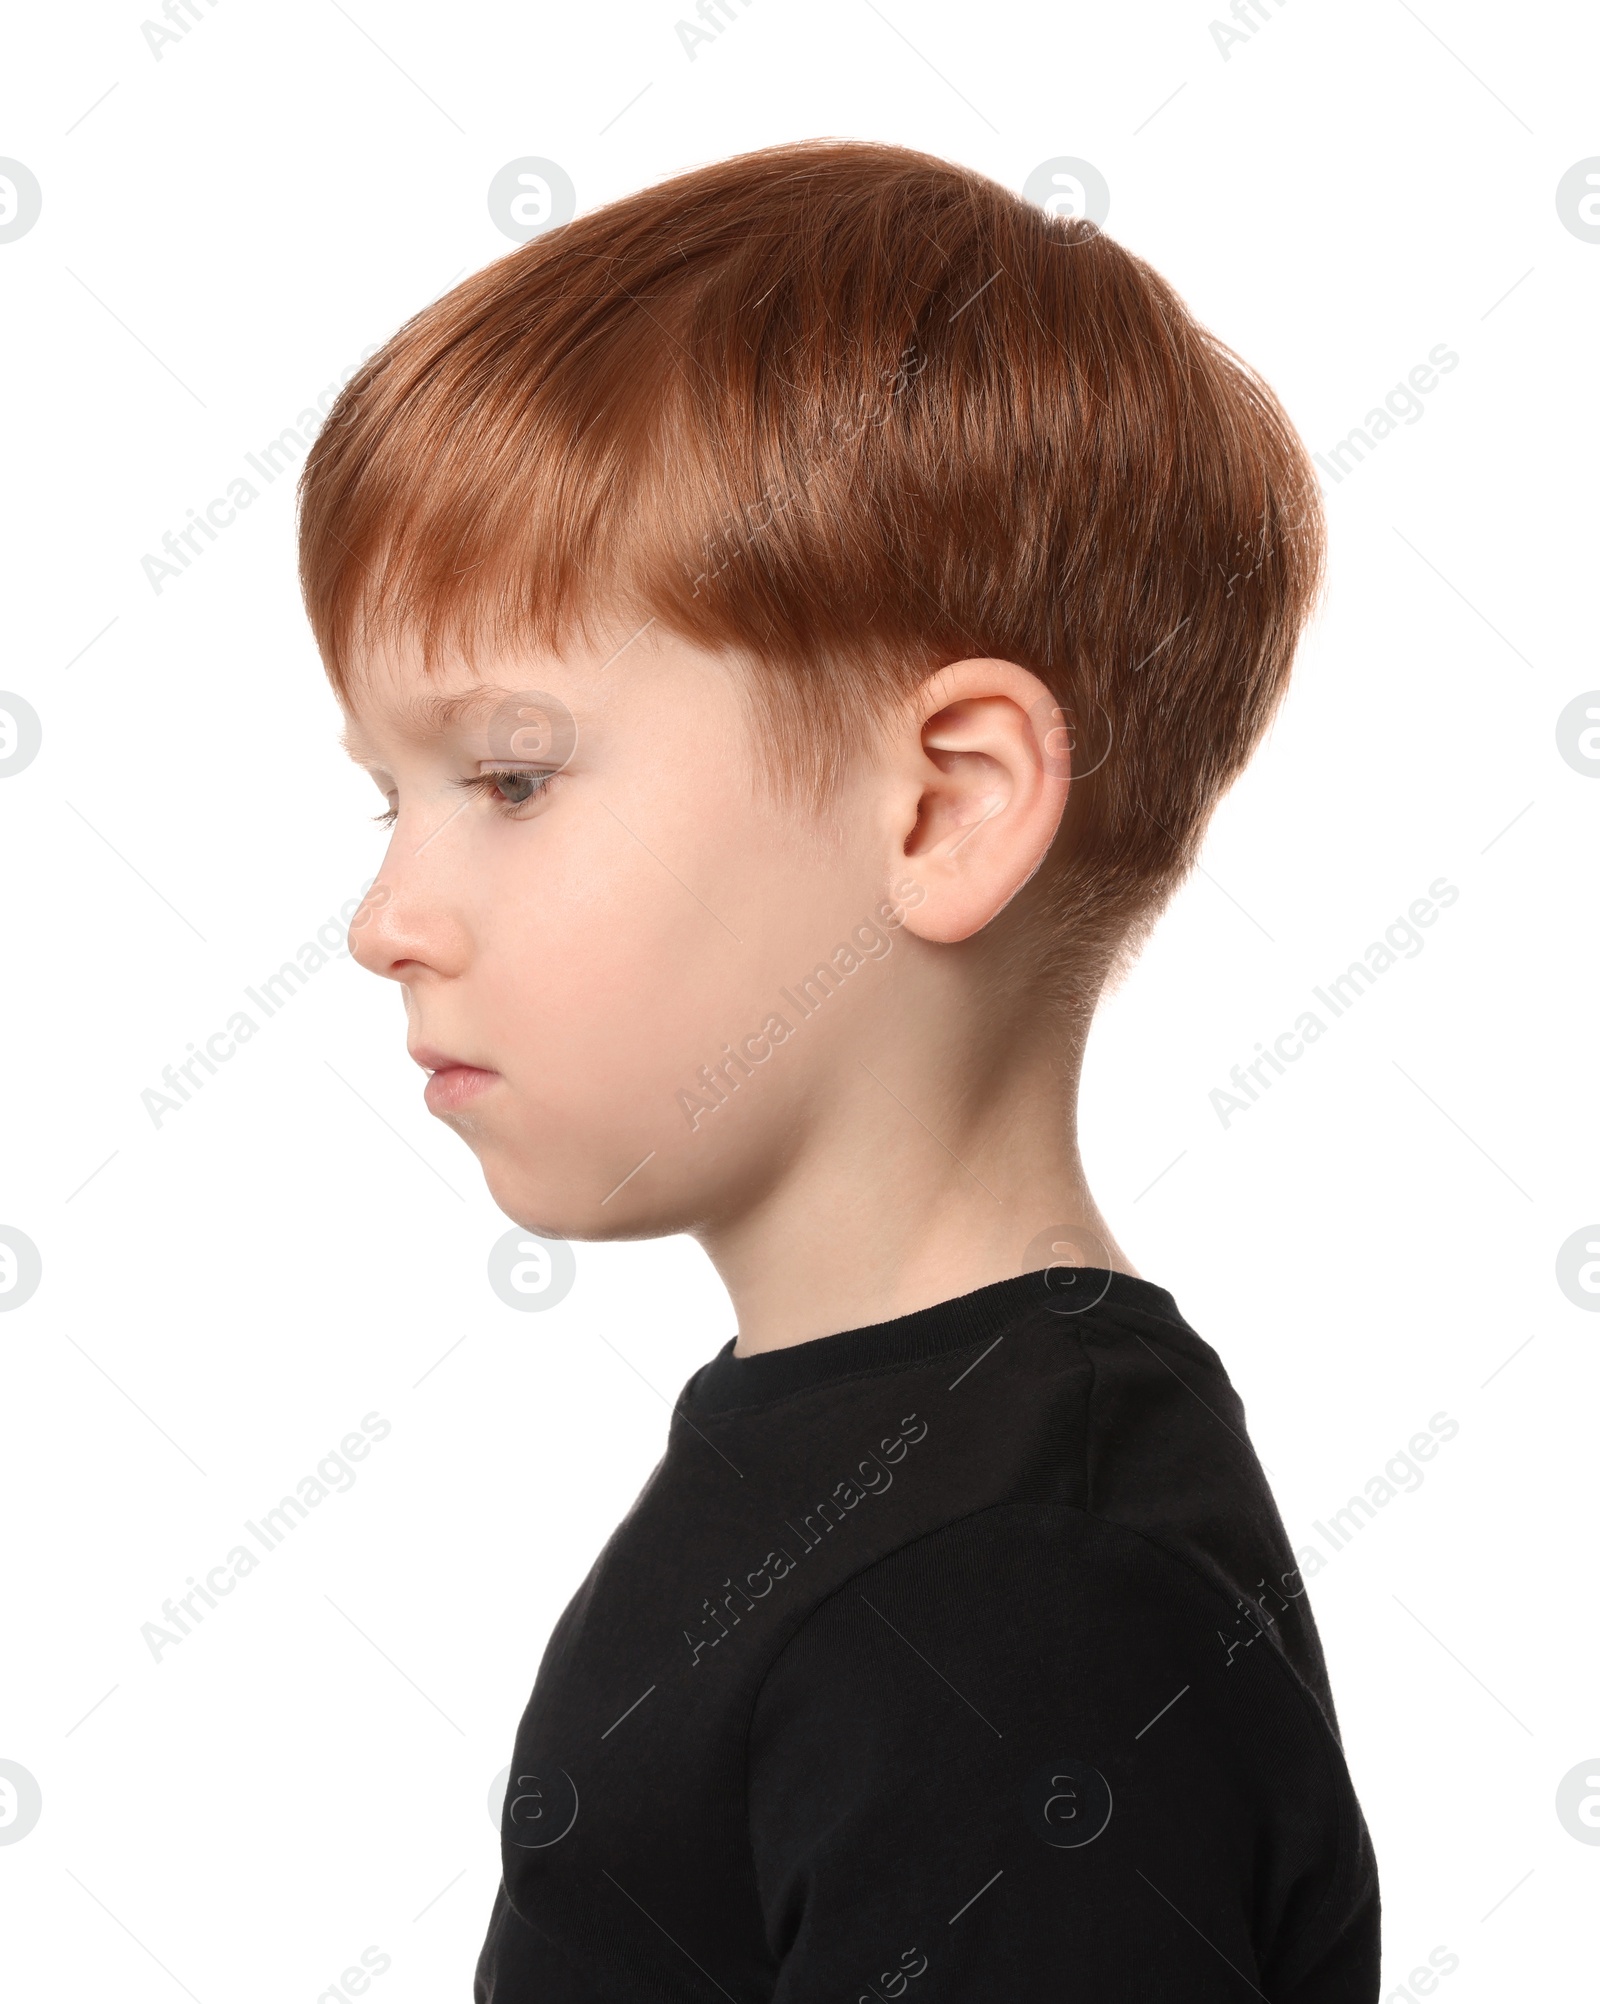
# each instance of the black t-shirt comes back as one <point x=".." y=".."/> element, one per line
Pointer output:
<point x="961" y="1657"/>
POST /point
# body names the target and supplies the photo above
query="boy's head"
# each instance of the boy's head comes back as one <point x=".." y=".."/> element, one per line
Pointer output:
<point x="829" y="550"/>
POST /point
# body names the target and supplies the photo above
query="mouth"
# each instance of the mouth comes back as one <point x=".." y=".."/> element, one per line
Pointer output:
<point x="452" y="1083"/>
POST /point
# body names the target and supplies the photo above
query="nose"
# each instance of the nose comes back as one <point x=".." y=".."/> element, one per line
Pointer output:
<point x="405" y="925"/>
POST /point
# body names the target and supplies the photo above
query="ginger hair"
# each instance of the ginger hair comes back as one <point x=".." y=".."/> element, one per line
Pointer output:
<point x="849" y="412"/>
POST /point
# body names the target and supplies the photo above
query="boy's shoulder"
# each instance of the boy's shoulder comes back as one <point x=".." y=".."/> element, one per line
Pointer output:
<point x="928" y="1602"/>
<point x="1099" y="1397"/>
<point x="790" y="1473"/>
<point x="1016" y="1687"/>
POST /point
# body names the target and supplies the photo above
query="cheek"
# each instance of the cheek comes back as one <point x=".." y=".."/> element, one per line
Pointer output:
<point x="599" y="993"/>
<point x="610" y="966"/>
<point x="601" y="976"/>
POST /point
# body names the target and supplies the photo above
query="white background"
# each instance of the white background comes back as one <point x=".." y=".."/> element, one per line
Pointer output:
<point x="224" y="230"/>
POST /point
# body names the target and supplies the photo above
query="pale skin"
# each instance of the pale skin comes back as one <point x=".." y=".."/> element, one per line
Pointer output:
<point x="601" y="941"/>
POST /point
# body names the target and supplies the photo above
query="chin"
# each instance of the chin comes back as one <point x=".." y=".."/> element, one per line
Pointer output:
<point x="556" y="1199"/>
<point x="611" y="1179"/>
<point x="568" y="1200"/>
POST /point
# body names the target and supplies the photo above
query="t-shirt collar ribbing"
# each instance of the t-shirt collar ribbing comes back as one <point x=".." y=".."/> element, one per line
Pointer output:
<point x="727" y="1382"/>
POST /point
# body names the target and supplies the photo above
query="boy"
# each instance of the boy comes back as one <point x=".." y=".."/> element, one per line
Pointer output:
<point x="801" y="618"/>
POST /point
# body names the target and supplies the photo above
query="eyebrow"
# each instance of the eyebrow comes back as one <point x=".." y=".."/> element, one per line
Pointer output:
<point x="428" y="715"/>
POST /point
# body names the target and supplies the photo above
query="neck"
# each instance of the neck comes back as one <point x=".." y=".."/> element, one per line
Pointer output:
<point x="888" y="1204"/>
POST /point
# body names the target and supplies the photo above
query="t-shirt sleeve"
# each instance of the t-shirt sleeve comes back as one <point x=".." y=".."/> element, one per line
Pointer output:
<point x="1020" y="1757"/>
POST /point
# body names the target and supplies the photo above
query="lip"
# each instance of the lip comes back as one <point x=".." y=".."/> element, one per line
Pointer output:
<point x="452" y="1084"/>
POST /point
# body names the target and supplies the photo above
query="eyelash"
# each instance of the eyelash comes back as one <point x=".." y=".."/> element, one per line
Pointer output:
<point x="485" y="783"/>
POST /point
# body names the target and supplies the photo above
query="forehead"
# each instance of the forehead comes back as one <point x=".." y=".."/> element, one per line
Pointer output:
<point x="501" y="704"/>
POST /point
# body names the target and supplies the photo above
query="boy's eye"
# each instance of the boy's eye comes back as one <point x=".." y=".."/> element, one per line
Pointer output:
<point x="511" y="791"/>
<point x="514" y="790"/>
<point x="515" y="787"/>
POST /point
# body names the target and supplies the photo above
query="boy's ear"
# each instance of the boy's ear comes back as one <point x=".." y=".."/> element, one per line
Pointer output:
<point x="979" y="767"/>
